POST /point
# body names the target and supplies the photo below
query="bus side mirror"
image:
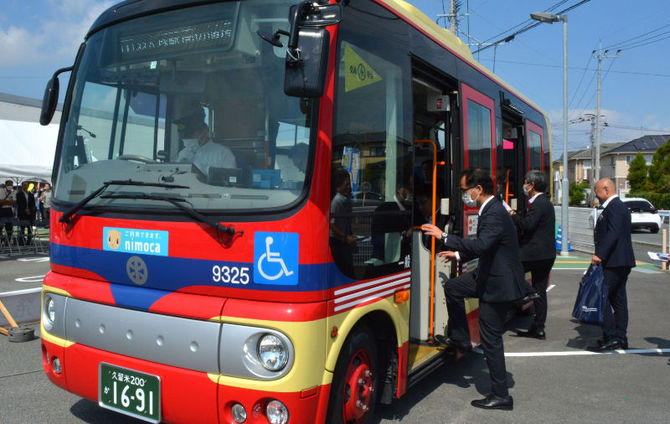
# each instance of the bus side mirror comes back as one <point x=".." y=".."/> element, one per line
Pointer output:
<point x="49" y="101"/>
<point x="307" y="51"/>
<point x="306" y="77"/>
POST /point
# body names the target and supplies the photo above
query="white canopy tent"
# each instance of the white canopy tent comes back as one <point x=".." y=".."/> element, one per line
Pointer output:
<point x="27" y="149"/>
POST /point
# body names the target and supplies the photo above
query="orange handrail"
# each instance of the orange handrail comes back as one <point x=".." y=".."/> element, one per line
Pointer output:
<point x="431" y="314"/>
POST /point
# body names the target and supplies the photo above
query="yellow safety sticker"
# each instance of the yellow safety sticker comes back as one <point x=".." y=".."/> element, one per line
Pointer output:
<point x="358" y="73"/>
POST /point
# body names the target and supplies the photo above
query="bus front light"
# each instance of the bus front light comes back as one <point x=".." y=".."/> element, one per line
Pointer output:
<point x="49" y="316"/>
<point x="272" y="352"/>
<point x="276" y="412"/>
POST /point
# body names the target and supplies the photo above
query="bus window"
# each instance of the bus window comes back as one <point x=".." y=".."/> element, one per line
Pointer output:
<point x="478" y="120"/>
<point x="479" y="135"/>
<point x="371" y="142"/>
<point x="534" y="146"/>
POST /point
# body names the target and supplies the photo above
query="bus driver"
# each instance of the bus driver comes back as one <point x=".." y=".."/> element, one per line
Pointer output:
<point x="199" y="148"/>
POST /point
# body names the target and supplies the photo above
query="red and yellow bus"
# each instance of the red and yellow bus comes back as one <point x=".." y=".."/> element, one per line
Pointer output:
<point x="239" y="277"/>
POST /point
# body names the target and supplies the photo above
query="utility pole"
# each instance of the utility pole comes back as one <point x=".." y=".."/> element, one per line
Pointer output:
<point x="453" y="15"/>
<point x="593" y="176"/>
<point x="600" y="56"/>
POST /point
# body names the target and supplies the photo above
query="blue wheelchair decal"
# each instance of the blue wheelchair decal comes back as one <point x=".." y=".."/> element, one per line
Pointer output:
<point x="276" y="258"/>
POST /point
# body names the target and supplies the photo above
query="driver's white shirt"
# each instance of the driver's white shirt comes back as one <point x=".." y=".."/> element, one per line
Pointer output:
<point x="213" y="154"/>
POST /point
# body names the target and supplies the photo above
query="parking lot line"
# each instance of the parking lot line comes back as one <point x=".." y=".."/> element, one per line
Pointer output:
<point x="588" y="353"/>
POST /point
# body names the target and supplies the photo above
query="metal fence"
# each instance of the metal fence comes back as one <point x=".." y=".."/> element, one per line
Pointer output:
<point x="579" y="227"/>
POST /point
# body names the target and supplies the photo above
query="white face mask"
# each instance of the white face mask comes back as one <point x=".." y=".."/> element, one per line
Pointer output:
<point x="469" y="200"/>
<point x="190" y="143"/>
<point x="526" y="191"/>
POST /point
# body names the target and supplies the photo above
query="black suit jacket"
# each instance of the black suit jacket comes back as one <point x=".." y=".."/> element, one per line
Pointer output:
<point x="499" y="275"/>
<point x="612" y="236"/>
<point x="21" y="205"/>
<point x="536" y="230"/>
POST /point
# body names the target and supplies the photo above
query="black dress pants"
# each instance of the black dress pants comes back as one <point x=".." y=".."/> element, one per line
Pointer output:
<point x="539" y="271"/>
<point x="615" y="318"/>
<point x="456" y="290"/>
<point x="492" y="318"/>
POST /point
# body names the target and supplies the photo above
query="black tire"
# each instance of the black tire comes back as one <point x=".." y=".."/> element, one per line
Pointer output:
<point x="654" y="229"/>
<point x="358" y="356"/>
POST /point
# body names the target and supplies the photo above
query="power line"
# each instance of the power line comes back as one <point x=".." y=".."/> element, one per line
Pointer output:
<point x="526" y="21"/>
<point x="578" y="68"/>
<point x="648" y="42"/>
<point x="626" y="127"/>
<point x="621" y="43"/>
<point x="580" y="81"/>
<point x="527" y="27"/>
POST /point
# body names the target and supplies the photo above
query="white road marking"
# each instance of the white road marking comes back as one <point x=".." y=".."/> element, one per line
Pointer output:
<point x="34" y="259"/>
<point x="33" y="279"/>
<point x="587" y="353"/>
<point x="551" y="286"/>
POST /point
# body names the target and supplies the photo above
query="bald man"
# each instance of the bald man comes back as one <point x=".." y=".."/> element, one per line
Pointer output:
<point x="614" y="250"/>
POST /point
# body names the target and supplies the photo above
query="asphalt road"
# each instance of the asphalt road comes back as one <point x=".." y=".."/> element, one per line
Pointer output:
<point x="553" y="381"/>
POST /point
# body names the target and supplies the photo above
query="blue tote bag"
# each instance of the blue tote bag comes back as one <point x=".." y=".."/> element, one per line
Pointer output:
<point x="592" y="296"/>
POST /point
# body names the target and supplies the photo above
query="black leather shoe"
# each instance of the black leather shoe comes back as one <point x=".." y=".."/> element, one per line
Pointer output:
<point x="612" y="344"/>
<point x="532" y="333"/>
<point x="494" y="402"/>
<point x="453" y="345"/>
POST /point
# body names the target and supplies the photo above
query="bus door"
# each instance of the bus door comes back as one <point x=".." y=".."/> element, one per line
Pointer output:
<point x="512" y="164"/>
<point x="434" y="102"/>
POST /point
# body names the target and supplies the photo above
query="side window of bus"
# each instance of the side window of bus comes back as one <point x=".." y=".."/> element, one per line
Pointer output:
<point x="370" y="209"/>
<point x="96" y="102"/>
<point x="479" y="135"/>
<point x="535" y="147"/>
<point x="292" y="148"/>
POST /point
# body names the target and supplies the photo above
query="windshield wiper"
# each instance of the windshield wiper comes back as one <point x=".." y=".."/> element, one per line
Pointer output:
<point x="180" y="203"/>
<point x="74" y="209"/>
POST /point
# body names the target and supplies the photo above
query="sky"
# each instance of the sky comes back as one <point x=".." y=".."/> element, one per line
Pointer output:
<point x="38" y="37"/>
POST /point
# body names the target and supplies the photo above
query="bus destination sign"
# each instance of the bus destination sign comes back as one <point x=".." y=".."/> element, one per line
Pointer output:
<point x="216" y="34"/>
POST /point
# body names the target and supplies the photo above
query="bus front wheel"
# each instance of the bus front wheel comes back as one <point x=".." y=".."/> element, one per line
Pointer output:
<point x="353" y="392"/>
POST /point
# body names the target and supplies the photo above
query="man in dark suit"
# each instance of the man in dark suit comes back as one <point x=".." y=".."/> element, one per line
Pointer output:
<point x="538" y="245"/>
<point x="614" y="250"/>
<point x="498" y="281"/>
<point x="25" y="211"/>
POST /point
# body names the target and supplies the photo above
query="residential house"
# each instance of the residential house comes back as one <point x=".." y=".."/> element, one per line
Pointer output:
<point x="614" y="162"/>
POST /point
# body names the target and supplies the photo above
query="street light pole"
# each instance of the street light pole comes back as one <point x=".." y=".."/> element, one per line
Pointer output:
<point x="565" y="183"/>
<point x="551" y="18"/>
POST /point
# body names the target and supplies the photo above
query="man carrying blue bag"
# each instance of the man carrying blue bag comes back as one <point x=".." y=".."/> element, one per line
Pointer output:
<point x="614" y="250"/>
<point x="592" y="297"/>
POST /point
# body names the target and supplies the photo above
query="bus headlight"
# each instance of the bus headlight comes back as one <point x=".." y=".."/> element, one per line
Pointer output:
<point x="49" y="315"/>
<point x="276" y="412"/>
<point x="272" y="352"/>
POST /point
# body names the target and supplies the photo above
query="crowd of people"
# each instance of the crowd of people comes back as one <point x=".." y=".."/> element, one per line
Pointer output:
<point x="508" y="245"/>
<point x="24" y="207"/>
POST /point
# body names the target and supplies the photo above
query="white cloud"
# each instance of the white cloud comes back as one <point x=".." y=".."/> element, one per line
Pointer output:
<point x="19" y="46"/>
<point x="55" y="38"/>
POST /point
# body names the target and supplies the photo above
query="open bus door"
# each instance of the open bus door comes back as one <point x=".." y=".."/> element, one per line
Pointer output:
<point x="433" y="140"/>
<point x="512" y="163"/>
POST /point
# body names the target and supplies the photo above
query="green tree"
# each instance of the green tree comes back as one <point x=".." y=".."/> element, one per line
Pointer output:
<point x="659" y="171"/>
<point x="576" y="193"/>
<point x="637" y="173"/>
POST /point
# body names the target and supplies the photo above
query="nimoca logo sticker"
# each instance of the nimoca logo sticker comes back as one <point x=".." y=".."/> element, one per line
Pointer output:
<point x="128" y="240"/>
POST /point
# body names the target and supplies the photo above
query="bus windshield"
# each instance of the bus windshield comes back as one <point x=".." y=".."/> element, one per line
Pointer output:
<point x="191" y="101"/>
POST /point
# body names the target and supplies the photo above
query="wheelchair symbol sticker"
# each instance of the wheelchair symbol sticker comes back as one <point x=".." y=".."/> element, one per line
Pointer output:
<point x="276" y="258"/>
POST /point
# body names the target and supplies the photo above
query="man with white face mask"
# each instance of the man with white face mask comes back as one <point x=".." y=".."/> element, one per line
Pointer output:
<point x="498" y="282"/>
<point x="199" y="148"/>
<point x="538" y="245"/>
